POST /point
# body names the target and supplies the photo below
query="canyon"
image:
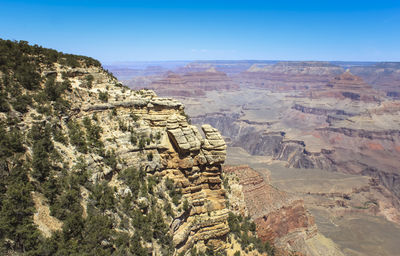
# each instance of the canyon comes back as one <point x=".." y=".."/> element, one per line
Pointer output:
<point x="327" y="133"/>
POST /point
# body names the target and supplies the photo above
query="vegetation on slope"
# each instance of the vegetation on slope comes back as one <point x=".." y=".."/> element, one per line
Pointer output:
<point x="29" y="161"/>
<point x="38" y="126"/>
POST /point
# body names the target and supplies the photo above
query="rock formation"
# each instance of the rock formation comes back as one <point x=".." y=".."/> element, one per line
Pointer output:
<point x="288" y="76"/>
<point x="347" y="86"/>
<point x="280" y="217"/>
<point x="129" y="160"/>
<point x="181" y="154"/>
<point x="192" y="84"/>
<point x="383" y="76"/>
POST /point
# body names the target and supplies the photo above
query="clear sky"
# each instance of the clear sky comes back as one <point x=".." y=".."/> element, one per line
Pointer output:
<point x="187" y="30"/>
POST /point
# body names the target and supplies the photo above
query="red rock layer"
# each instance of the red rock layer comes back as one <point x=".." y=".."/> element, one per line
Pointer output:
<point x="278" y="217"/>
<point x="348" y="86"/>
<point x="192" y="83"/>
<point x="288" y="76"/>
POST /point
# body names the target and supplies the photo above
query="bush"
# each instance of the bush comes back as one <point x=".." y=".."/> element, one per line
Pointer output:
<point x="93" y="134"/>
<point x="133" y="139"/>
<point x="4" y="106"/>
<point x="11" y="142"/>
<point x="141" y="143"/>
<point x="58" y="134"/>
<point x="102" y="197"/>
<point x="77" y="136"/>
<point x="42" y="147"/>
<point x="110" y="159"/>
<point x="21" y="103"/>
<point x="89" y="81"/>
<point x="240" y="228"/>
<point x="16" y="213"/>
<point x="103" y="96"/>
<point x="133" y="179"/>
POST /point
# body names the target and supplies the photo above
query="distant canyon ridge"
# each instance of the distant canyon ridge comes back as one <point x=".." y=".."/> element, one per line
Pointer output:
<point x="325" y="133"/>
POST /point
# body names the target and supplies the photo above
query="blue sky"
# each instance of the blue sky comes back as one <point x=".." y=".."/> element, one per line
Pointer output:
<point x="188" y="30"/>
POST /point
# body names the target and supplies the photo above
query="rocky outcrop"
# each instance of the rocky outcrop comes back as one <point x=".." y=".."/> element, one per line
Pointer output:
<point x="195" y="164"/>
<point x="139" y="130"/>
<point x="279" y="217"/>
<point x="183" y="155"/>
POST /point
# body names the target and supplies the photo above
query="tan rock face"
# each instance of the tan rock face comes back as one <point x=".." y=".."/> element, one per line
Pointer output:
<point x="198" y="170"/>
<point x="42" y="218"/>
<point x="151" y="134"/>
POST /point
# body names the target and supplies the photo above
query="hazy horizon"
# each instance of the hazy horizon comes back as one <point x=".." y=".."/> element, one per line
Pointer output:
<point x="184" y="30"/>
<point x="232" y="60"/>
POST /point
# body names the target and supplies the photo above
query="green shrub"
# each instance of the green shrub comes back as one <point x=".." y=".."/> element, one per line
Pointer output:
<point x="111" y="160"/>
<point x="4" y="106"/>
<point x="11" y="142"/>
<point x="21" y="103"/>
<point x="133" y="139"/>
<point x="103" y="96"/>
<point x="16" y="213"/>
<point x="77" y="136"/>
<point x="102" y="197"/>
<point x="93" y="134"/>
<point x="42" y="147"/>
<point x="133" y="179"/>
<point x="150" y="156"/>
<point x="59" y="135"/>
<point x="185" y="205"/>
<point x="134" y="117"/>
<point x="141" y="143"/>
<point x="89" y="81"/>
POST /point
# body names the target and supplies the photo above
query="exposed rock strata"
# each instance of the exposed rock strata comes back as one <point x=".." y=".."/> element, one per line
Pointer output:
<point x="169" y="147"/>
<point x="383" y="76"/>
<point x="192" y="84"/>
<point x="288" y="76"/>
<point x="279" y="217"/>
<point x="347" y="86"/>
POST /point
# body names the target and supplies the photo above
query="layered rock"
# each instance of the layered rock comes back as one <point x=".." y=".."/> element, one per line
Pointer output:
<point x="145" y="132"/>
<point x="383" y="76"/>
<point x="192" y="84"/>
<point x="184" y="156"/>
<point x="229" y="67"/>
<point x="196" y="167"/>
<point x="347" y="86"/>
<point x="287" y="76"/>
<point x="280" y="218"/>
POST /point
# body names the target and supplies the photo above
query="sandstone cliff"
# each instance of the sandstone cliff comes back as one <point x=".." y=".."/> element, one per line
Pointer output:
<point x="124" y="162"/>
<point x="180" y="153"/>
